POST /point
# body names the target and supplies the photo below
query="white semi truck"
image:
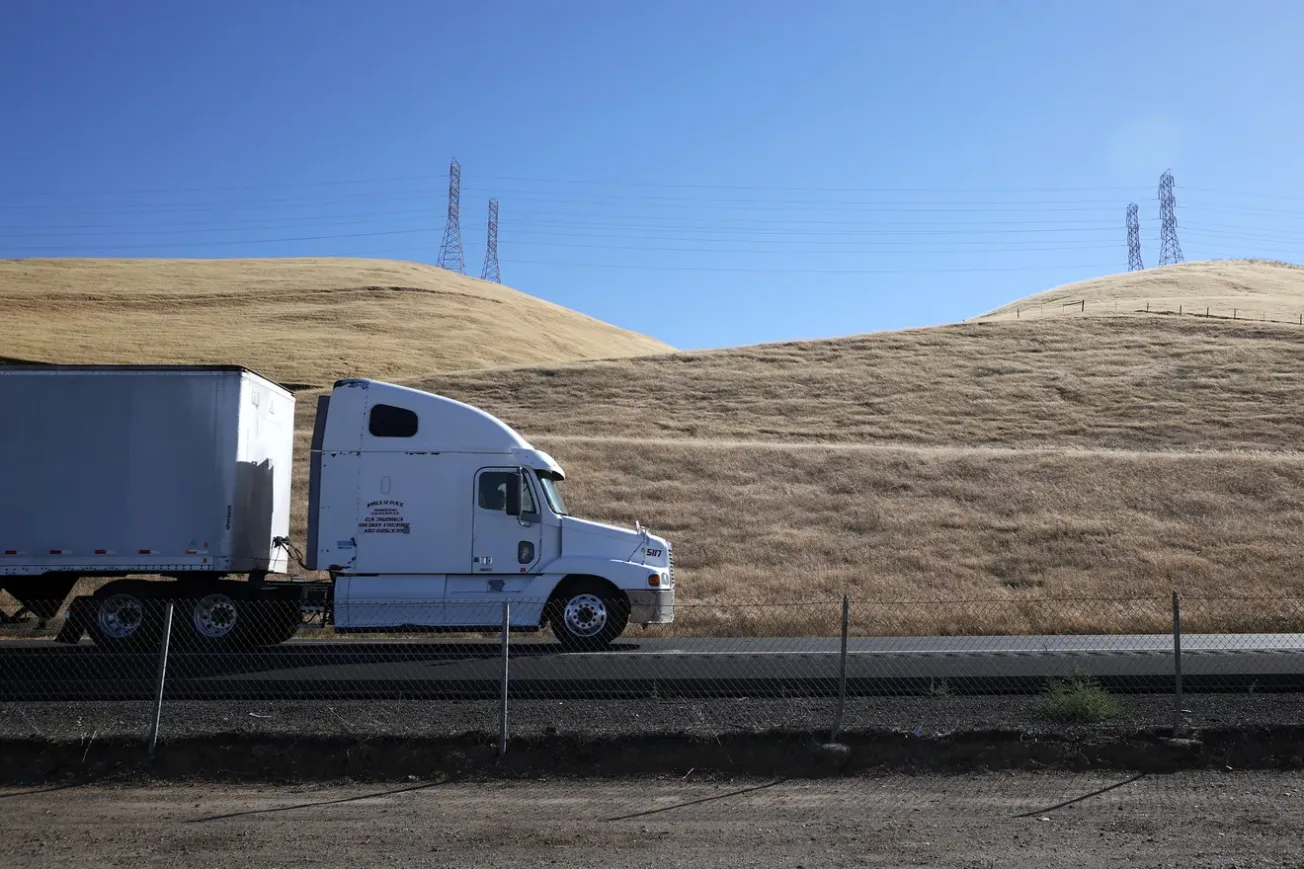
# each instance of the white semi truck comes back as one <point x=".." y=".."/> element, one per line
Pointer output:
<point x="426" y="513"/>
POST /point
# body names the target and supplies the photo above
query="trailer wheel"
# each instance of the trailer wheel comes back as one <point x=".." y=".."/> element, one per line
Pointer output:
<point x="587" y="615"/>
<point x="226" y="618"/>
<point x="219" y="618"/>
<point x="124" y="620"/>
<point x="216" y="618"/>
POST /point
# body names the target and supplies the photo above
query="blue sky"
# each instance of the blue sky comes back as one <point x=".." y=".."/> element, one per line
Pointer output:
<point x="710" y="173"/>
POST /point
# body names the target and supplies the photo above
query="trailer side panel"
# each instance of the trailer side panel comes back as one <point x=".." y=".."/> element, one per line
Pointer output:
<point x="139" y="469"/>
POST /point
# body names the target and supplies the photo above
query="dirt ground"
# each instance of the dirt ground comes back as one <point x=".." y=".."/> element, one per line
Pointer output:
<point x="1219" y="819"/>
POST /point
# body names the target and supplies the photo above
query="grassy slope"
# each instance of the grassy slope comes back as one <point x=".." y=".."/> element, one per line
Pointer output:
<point x="299" y="321"/>
<point x="1097" y="382"/>
<point x="1246" y="289"/>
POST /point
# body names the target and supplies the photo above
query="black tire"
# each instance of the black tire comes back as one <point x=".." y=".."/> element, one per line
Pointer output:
<point x="281" y="620"/>
<point x="125" y="617"/>
<point x="219" y="617"/>
<point x="587" y="615"/>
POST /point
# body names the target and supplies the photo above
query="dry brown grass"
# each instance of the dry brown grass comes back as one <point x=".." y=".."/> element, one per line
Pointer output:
<point x="299" y="321"/>
<point x="995" y="531"/>
<point x="1095" y="383"/>
<point x="1000" y="467"/>
<point x="1253" y="288"/>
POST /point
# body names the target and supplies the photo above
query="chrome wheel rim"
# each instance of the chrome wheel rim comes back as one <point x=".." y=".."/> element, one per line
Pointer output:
<point x="585" y="615"/>
<point x="215" y="616"/>
<point x="121" y="615"/>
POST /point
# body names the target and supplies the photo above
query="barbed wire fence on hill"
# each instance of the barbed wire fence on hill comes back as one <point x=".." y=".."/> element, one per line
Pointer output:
<point x="1079" y="307"/>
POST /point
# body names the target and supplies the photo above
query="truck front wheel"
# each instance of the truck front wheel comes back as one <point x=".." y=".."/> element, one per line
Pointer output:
<point x="588" y="615"/>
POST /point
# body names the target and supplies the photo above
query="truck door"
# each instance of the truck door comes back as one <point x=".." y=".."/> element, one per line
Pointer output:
<point x="501" y="543"/>
<point x="505" y="549"/>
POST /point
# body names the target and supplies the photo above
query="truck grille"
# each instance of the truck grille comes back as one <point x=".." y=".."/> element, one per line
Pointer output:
<point x="670" y="564"/>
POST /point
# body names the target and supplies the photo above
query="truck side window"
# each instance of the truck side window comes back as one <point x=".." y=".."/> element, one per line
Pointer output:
<point x="492" y="493"/>
<point x="387" y="421"/>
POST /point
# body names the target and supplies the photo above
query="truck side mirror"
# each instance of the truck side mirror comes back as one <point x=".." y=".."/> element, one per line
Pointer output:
<point x="514" y="495"/>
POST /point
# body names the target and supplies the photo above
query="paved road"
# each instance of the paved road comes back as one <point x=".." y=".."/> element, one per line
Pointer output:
<point x="32" y="670"/>
<point x="1034" y="820"/>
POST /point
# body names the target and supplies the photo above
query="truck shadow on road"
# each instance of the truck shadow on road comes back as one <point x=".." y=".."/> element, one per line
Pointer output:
<point x="53" y="672"/>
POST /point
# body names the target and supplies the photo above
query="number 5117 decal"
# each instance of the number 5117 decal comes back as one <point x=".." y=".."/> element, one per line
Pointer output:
<point x="654" y="553"/>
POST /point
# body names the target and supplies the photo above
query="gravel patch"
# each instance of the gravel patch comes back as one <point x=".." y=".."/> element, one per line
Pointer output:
<point x="612" y="718"/>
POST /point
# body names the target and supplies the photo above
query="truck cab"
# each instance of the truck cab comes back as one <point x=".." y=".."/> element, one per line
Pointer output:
<point x="430" y="513"/>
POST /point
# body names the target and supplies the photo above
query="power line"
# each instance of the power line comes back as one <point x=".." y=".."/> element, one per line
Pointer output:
<point x="450" y="250"/>
<point x="599" y="241"/>
<point x="490" y="270"/>
<point x="765" y="248"/>
<point x="1282" y="196"/>
<point x="768" y="249"/>
<point x="642" y="221"/>
<point x="563" y="201"/>
<point x="817" y="271"/>
<point x="626" y="226"/>
<point x="572" y="182"/>
<point x="181" y="244"/>
<point x="407" y="180"/>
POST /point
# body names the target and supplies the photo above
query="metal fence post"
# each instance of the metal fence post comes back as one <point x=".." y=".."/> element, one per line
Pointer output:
<point x="162" y="675"/>
<point x="1177" y="663"/>
<point x="842" y="668"/>
<point x="502" y="688"/>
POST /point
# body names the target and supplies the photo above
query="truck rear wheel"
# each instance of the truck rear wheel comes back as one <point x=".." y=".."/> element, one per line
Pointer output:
<point x="125" y="619"/>
<point x="216" y="620"/>
<point x="281" y="620"/>
<point x="226" y="618"/>
<point x="588" y="615"/>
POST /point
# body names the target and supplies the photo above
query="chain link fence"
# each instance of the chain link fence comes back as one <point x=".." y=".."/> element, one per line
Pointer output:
<point x="184" y="668"/>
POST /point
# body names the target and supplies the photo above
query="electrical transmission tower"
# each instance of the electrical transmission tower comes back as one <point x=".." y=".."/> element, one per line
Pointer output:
<point x="450" y="252"/>
<point x="1170" y="250"/>
<point x="490" y="270"/>
<point x="1133" y="239"/>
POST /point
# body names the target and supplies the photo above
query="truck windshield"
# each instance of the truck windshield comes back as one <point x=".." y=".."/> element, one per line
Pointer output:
<point x="550" y="492"/>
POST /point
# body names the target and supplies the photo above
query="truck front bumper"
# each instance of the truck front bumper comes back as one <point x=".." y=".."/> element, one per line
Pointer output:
<point x="652" y="607"/>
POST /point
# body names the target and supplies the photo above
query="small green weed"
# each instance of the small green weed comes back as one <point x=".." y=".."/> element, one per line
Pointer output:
<point x="938" y="688"/>
<point x="1080" y="700"/>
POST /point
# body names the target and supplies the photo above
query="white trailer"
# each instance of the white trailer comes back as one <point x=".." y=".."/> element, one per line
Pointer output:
<point x="424" y="512"/>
